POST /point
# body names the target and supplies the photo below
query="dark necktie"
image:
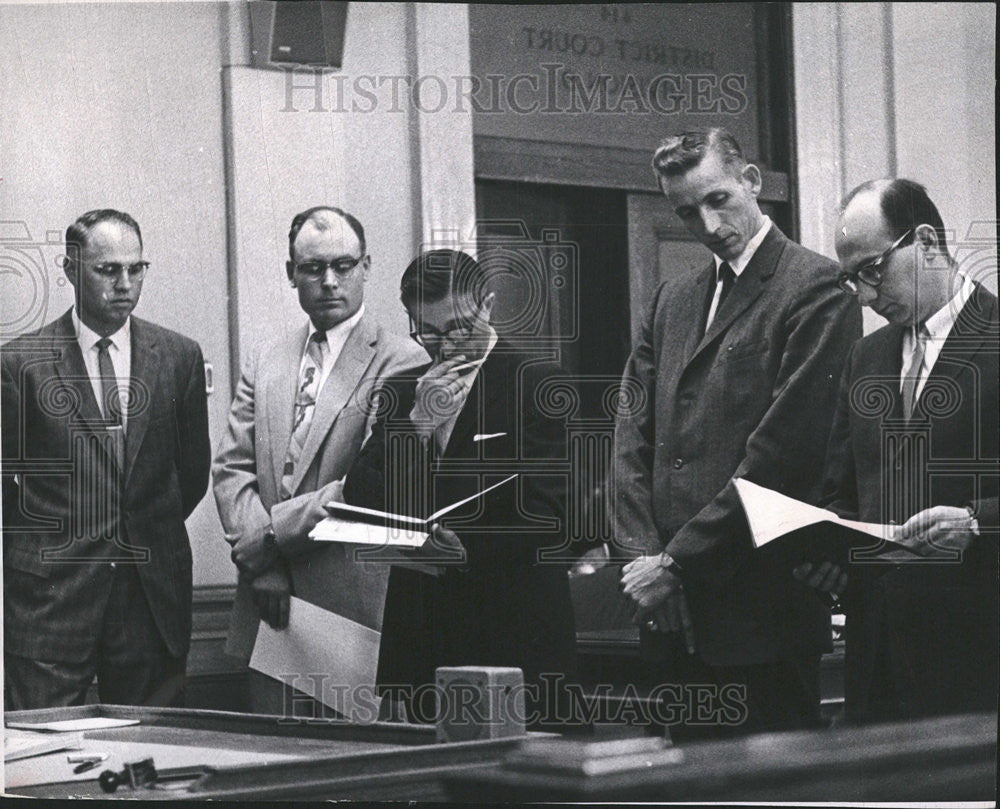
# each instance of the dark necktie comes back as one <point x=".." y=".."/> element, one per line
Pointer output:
<point x="728" y="278"/>
<point x="111" y="403"/>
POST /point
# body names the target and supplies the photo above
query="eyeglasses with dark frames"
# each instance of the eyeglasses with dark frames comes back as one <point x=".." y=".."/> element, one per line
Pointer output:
<point x="342" y="267"/>
<point x="112" y="270"/>
<point x="871" y="272"/>
<point x="461" y="331"/>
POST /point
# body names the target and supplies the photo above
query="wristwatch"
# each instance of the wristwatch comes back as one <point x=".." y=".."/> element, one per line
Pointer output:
<point x="271" y="543"/>
<point x="973" y="522"/>
<point x="667" y="562"/>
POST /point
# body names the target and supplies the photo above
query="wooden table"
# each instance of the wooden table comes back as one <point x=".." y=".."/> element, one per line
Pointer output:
<point x="247" y="756"/>
<point x="946" y="759"/>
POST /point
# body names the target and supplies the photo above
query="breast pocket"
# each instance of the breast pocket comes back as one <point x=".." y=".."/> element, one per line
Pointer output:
<point x="740" y="351"/>
<point x="746" y="379"/>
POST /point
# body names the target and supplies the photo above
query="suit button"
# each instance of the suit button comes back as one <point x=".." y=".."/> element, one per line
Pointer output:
<point x="678" y="463"/>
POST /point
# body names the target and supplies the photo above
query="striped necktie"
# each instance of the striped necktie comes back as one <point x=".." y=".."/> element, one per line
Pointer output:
<point x="911" y="379"/>
<point x="305" y="406"/>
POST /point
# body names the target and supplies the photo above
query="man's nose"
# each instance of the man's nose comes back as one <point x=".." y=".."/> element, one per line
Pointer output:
<point x="123" y="280"/>
<point x="710" y="220"/>
<point x="866" y="294"/>
<point x="330" y="278"/>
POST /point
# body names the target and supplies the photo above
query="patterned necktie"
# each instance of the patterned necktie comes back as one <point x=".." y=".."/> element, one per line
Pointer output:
<point x="911" y="380"/>
<point x="305" y="405"/>
<point x="728" y="278"/>
<point x="111" y="403"/>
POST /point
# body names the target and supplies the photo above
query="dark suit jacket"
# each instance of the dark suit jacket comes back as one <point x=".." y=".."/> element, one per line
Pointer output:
<point x="72" y="510"/>
<point x="921" y="638"/>
<point x="505" y="608"/>
<point x="753" y="398"/>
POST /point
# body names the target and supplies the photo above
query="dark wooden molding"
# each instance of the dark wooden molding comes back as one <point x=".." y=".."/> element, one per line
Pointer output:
<point x="545" y="162"/>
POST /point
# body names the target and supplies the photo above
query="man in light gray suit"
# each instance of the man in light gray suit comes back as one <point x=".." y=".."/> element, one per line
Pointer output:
<point x="301" y="412"/>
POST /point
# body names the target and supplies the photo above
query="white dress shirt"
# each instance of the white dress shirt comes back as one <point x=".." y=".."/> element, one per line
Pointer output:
<point x="938" y="326"/>
<point x="739" y="264"/>
<point x="120" y="352"/>
<point x="336" y="338"/>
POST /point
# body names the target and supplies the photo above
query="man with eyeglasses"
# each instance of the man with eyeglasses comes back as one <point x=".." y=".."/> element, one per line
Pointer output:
<point x="916" y="443"/>
<point x="105" y="454"/>
<point x="466" y="421"/>
<point x="302" y="409"/>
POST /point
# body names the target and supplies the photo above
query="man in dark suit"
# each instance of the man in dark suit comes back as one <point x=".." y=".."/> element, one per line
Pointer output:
<point x="105" y="453"/>
<point x="467" y="420"/>
<point x="915" y="442"/>
<point x="738" y="364"/>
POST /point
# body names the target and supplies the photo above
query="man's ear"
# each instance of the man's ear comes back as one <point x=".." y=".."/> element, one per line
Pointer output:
<point x="70" y="268"/>
<point x="751" y="176"/>
<point x="290" y="269"/>
<point x="926" y="236"/>
<point x="488" y="304"/>
<point x="366" y="265"/>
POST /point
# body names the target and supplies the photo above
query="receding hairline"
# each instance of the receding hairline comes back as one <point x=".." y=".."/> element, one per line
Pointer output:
<point x="324" y="220"/>
<point x="875" y="188"/>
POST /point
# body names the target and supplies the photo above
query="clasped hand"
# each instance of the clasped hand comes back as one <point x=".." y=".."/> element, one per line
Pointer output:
<point x="657" y="598"/>
<point x="250" y="555"/>
<point x="272" y="591"/>
<point x="438" y="394"/>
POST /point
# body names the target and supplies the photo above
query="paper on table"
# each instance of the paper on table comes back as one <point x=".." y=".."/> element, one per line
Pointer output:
<point x="771" y="514"/>
<point x="87" y="723"/>
<point x="322" y="648"/>
<point x="18" y="744"/>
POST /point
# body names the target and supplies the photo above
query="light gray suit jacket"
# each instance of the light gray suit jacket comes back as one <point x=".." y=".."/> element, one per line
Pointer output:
<point x="248" y="466"/>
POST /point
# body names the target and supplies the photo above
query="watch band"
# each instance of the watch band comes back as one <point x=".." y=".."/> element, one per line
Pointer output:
<point x="667" y="562"/>
<point x="973" y="522"/>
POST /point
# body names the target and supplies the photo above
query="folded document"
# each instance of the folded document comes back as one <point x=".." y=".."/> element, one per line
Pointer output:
<point x="368" y="526"/>
<point x="777" y="521"/>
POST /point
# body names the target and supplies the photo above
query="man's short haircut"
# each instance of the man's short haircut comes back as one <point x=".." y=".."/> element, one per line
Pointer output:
<point x="78" y="234"/>
<point x="905" y="205"/>
<point x="435" y="274"/>
<point x="312" y="214"/>
<point x="679" y="154"/>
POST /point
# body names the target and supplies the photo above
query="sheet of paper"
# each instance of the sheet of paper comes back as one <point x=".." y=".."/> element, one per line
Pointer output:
<point x="322" y="648"/>
<point x="332" y="529"/>
<point x="18" y="744"/>
<point x="771" y="514"/>
<point x="88" y="723"/>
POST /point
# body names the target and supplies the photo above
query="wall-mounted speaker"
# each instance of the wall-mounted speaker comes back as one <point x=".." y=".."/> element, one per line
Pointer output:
<point x="297" y="32"/>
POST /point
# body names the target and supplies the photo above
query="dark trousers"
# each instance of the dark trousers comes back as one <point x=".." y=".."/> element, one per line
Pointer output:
<point x="131" y="662"/>
<point x="701" y="701"/>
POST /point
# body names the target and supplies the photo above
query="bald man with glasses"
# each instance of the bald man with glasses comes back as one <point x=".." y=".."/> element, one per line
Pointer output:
<point x="105" y="454"/>
<point x="915" y="442"/>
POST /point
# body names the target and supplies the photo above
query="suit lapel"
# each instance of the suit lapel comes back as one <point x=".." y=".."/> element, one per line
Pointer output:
<point x="694" y="309"/>
<point x="73" y="374"/>
<point x="966" y="339"/>
<point x="279" y="396"/>
<point x="143" y="386"/>
<point x="347" y="372"/>
<point x="491" y="382"/>
<point x="748" y="286"/>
